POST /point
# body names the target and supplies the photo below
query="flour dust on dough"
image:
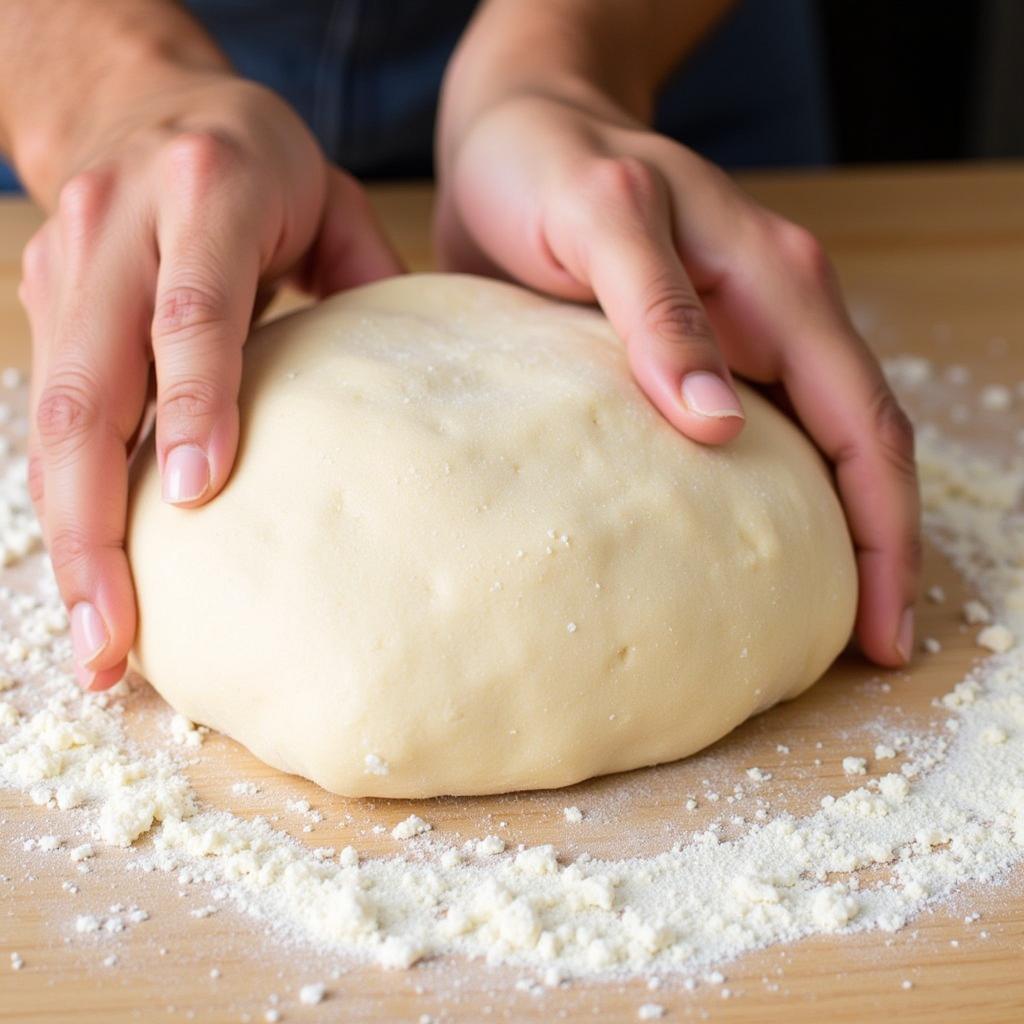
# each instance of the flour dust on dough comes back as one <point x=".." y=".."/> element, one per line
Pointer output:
<point x="461" y="553"/>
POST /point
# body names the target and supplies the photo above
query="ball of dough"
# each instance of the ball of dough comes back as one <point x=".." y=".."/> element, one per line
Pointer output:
<point x="462" y="553"/>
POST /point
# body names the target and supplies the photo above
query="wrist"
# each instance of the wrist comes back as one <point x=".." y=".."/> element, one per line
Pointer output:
<point x="56" y="133"/>
<point x="474" y="89"/>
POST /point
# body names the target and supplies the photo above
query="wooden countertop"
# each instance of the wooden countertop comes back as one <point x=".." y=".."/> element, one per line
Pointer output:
<point x="933" y="263"/>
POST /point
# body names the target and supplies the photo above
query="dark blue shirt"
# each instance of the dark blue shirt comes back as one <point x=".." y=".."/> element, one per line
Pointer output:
<point x="365" y="76"/>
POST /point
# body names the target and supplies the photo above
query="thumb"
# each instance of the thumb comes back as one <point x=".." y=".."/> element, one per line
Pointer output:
<point x="350" y="248"/>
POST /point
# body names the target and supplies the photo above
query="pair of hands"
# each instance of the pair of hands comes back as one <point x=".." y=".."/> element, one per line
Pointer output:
<point x="177" y="221"/>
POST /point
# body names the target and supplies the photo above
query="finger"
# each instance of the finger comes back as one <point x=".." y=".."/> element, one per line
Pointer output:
<point x="209" y="245"/>
<point x="350" y="248"/>
<point x="38" y="271"/>
<point x="780" y="315"/>
<point x="618" y="239"/>
<point x="783" y="292"/>
<point x="861" y="428"/>
<point x="89" y="401"/>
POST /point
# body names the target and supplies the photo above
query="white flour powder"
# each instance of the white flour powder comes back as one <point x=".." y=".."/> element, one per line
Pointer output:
<point x="941" y="810"/>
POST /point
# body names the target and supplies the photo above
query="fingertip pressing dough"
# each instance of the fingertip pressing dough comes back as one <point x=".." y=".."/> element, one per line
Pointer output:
<point x="461" y="553"/>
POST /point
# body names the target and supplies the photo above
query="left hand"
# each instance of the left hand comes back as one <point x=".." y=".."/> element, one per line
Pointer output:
<point x="586" y="203"/>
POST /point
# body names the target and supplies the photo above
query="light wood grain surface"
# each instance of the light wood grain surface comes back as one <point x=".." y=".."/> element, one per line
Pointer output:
<point x="933" y="262"/>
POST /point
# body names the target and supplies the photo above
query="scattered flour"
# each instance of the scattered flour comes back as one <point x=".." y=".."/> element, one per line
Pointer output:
<point x="996" y="638"/>
<point x="909" y="371"/>
<point x="650" y="1011"/>
<point x="490" y="846"/>
<point x="869" y="857"/>
<point x="184" y="732"/>
<point x="414" y="825"/>
<point x="996" y="398"/>
<point x="310" y="995"/>
<point x="374" y="764"/>
<point x="975" y="613"/>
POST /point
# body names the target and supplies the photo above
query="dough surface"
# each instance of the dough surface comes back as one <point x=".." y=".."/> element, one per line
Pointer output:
<point x="461" y="553"/>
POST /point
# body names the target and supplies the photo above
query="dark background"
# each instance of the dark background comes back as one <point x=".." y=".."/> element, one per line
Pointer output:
<point x="780" y="83"/>
<point x="924" y="79"/>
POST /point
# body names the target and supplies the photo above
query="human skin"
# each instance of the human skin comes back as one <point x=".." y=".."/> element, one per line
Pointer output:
<point x="549" y="173"/>
<point x="179" y="195"/>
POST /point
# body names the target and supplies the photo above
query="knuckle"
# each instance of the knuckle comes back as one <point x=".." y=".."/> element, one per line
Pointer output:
<point x="69" y="547"/>
<point x="616" y="182"/>
<point x="198" y="158"/>
<point x="82" y="201"/>
<point x="35" y="260"/>
<point x="801" y="249"/>
<point x="68" y="409"/>
<point x="31" y="302"/>
<point x="184" y="310"/>
<point x="192" y="398"/>
<point x="675" y="313"/>
<point x="894" y="432"/>
<point x="35" y="273"/>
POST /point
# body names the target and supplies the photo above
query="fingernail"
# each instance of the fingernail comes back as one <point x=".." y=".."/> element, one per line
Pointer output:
<point x="708" y="395"/>
<point x="84" y="677"/>
<point x="186" y="474"/>
<point x="88" y="634"/>
<point x="905" y="637"/>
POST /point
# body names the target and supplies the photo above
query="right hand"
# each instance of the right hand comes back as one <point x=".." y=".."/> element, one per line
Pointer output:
<point x="583" y="201"/>
<point x="175" y="221"/>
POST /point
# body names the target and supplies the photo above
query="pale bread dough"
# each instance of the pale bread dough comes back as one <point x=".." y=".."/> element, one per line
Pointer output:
<point x="461" y="553"/>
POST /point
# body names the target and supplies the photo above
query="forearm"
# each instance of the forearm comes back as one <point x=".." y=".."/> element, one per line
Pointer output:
<point x="66" y="64"/>
<point x="610" y="56"/>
